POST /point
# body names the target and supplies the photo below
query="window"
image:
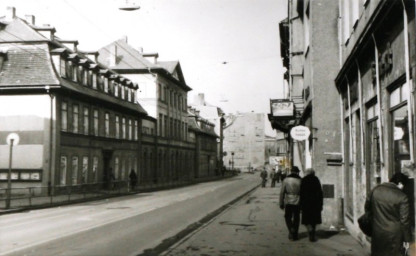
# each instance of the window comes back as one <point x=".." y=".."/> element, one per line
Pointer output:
<point x="75" y="118"/>
<point x="346" y="19"/>
<point x="86" y="120"/>
<point x="107" y="125"/>
<point x="128" y="94"/>
<point x="106" y="84"/>
<point x="74" y="170"/>
<point x="123" y="128"/>
<point x="64" y="116"/>
<point x="116" y="168"/>
<point x="116" y="89"/>
<point x="62" y="67"/>
<point x="80" y="72"/>
<point x="85" y="77"/>
<point x="159" y="91"/>
<point x="166" y="126"/>
<point x="123" y="169"/>
<point x="74" y="73"/>
<point x="69" y="69"/>
<point x="133" y="95"/>
<point x="117" y="127"/>
<point x="94" y="81"/>
<point x="160" y="124"/>
<point x="136" y="129"/>
<point x="62" y="180"/>
<point x="130" y="129"/>
<point x="96" y="122"/>
<point x="84" y="173"/>
<point x="101" y="82"/>
<point x="122" y="92"/>
<point x="95" y="168"/>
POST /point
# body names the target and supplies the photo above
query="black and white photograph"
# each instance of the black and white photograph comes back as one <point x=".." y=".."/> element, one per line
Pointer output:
<point x="207" y="127"/>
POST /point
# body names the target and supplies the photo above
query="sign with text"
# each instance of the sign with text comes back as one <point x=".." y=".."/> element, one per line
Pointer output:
<point x="300" y="133"/>
<point x="282" y="108"/>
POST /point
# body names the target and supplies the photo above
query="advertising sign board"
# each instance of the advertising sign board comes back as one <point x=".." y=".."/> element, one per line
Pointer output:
<point x="300" y="133"/>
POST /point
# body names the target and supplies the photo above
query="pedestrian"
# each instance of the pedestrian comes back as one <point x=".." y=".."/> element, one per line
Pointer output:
<point x="133" y="179"/>
<point x="263" y="176"/>
<point x="289" y="201"/>
<point x="273" y="179"/>
<point x="311" y="202"/>
<point x="278" y="173"/>
<point x="111" y="179"/>
<point x="388" y="207"/>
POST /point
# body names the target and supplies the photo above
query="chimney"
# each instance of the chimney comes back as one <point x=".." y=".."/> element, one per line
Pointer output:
<point x="10" y="13"/>
<point x="30" y="19"/>
<point x="151" y="55"/>
<point x="92" y="55"/>
<point x="47" y="31"/>
<point x="199" y="99"/>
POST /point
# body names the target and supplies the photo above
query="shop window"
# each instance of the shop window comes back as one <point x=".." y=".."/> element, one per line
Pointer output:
<point x="64" y="166"/>
<point x="116" y="168"/>
<point x="373" y="162"/>
<point x="74" y="170"/>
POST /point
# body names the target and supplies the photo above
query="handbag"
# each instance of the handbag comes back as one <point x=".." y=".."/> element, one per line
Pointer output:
<point x="364" y="222"/>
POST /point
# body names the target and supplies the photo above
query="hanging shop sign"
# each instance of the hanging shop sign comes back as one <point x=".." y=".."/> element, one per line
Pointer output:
<point x="282" y="108"/>
<point x="300" y="133"/>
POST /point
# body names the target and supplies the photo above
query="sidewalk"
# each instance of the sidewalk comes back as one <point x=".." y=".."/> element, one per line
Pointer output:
<point x="256" y="227"/>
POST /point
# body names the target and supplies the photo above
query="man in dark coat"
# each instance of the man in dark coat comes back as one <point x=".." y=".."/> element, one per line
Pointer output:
<point x="263" y="176"/>
<point x="133" y="179"/>
<point x="311" y="202"/>
<point x="389" y="208"/>
<point x="289" y="201"/>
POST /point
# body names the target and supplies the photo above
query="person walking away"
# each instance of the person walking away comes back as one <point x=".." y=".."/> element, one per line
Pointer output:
<point x="133" y="179"/>
<point x="311" y="202"/>
<point x="273" y="179"/>
<point x="289" y="201"/>
<point x="388" y="207"/>
<point x="263" y="176"/>
<point x="278" y="174"/>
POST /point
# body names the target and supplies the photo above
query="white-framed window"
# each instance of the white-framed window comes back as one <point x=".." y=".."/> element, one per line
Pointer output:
<point x="86" y="120"/>
<point x="123" y="128"/>
<point x="64" y="167"/>
<point x="74" y="73"/>
<point x="85" y="77"/>
<point x="75" y="170"/>
<point x="95" y="168"/>
<point x="136" y="129"/>
<point x="116" y="89"/>
<point x="130" y="135"/>
<point x="116" y="168"/>
<point x="94" y="80"/>
<point x="122" y="92"/>
<point x="96" y="122"/>
<point x="117" y="127"/>
<point x="106" y="84"/>
<point x="75" y="118"/>
<point x="107" y="124"/>
<point x="84" y="174"/>
<point x="62" y="67"/>
<point x="64" y="116"/>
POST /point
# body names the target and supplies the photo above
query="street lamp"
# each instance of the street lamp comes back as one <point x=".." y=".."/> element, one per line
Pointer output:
<point x="232" y="161"/>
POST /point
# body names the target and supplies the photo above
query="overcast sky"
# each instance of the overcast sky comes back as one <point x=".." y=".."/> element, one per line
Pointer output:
<point x="228" y="49"/>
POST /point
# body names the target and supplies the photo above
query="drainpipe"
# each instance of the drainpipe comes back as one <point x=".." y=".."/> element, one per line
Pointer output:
<point x="50" y="163"/>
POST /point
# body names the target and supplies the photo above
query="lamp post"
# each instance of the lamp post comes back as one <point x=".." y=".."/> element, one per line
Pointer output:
<point x="232" y="161"/>
<point x="12" y="139"/>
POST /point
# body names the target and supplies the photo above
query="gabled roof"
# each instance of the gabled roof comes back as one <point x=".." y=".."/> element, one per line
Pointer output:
<point x="129" y="60"/>
<point x="127" y="57"/>
<point x="19" y="31"/>
<point x="26" y="65"/>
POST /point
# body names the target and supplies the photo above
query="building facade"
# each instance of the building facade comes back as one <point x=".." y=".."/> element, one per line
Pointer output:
<point x="377" y="91"/>
<point x="310" y="52"/>
<point x="75" y="126"/>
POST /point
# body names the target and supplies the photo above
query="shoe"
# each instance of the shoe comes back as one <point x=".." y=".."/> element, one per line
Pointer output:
<point x="290" y="236"/>
<point x="312" y="236"/>
<point x="295" y="236"/>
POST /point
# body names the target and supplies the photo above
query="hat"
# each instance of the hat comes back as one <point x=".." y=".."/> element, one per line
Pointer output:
<point x="295" y="169"/>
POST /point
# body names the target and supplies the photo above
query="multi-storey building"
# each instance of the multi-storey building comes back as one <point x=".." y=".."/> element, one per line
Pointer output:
<point x="376" y="88"/>
<point x="244" y="141"/>
<point x="77" y="120"/>
<point x="201" y="130"/>
<point x="163" y="94"/>
<point x="310" y="52"/>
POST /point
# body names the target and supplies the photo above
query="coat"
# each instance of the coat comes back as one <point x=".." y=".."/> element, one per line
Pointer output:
<point x="389" y="208"/>
<point x="289" y="192"/>
<point x="311" y="200"/>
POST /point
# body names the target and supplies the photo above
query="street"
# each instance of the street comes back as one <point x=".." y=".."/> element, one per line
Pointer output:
<point x="118" y="226"/>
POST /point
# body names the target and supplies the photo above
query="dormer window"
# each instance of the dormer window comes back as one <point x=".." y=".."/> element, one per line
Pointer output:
<point x="116" y="89"/>
<point x="105" y="84"/>
<point x="122" y="93"/>
<point x="69" y="69"/>
<point x="62" y="67"/>
<point x="94" y="80"/>
<point x="74" y="73"/>
<point x="126" y="93"/>
<point x="85" y="77"/>
<point x="80" y="72"/>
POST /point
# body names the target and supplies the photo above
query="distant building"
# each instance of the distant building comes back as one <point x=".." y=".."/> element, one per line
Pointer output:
<point x="244" y="141"/>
